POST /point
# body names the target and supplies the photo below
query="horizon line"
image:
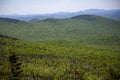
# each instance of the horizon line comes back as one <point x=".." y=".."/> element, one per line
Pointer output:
<point x="60" y="12"/>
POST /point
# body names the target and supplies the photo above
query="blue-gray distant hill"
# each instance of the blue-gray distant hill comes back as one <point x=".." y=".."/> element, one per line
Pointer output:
<point x="113" y="14"/>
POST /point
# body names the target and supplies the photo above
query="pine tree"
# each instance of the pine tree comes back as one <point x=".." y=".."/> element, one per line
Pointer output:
<point x="15" y="67"/>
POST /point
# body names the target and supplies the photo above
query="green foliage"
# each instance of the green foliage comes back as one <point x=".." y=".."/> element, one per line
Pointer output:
<point x="112" y="74"/>
<point x="4" y="70"/>
<point x="10" y="68"/>
<point x="60" y="59"/>
<point x="61" y="49"/>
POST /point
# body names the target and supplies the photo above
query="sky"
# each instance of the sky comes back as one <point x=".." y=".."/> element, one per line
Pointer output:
<point x="53" y="6"/>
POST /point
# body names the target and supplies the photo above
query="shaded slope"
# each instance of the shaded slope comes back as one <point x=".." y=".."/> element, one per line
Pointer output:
<point x="9" y="20"/>
<point x="8" y="37"/>
<point x="86" y="17"/>
<point x="4" y="40"/>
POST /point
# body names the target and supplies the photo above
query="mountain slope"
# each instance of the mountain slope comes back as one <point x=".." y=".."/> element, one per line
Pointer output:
<point x="9" y="20"/>
<point x="82" y="28"/>
<point x="87" y="17"/>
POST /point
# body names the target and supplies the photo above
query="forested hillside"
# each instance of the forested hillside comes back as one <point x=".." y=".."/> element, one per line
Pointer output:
<point x="83" y="28"/>
<point x="84" y="47"/>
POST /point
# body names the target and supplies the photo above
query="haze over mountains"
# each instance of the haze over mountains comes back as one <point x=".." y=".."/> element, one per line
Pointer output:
<point x="113" y="14"/>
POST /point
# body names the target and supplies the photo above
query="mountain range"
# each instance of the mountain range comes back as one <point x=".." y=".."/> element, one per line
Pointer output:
<point x="81" y="45"/>
<point x="113" y="14"/>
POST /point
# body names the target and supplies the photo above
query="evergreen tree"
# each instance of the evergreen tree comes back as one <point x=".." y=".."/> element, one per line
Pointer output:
<point x="15" y="67"/>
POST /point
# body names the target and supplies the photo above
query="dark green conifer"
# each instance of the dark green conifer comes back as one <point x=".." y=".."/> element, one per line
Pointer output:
<point x="15" y="67"/>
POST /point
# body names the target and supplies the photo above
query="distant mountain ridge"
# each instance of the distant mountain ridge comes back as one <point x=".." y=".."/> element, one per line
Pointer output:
<point x="113" y="14"/>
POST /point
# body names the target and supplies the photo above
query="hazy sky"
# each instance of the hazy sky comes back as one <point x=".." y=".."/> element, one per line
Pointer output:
<point x="51" y="6"/>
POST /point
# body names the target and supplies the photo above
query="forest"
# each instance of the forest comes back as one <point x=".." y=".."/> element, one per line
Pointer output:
<point x="84" y="47"/>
